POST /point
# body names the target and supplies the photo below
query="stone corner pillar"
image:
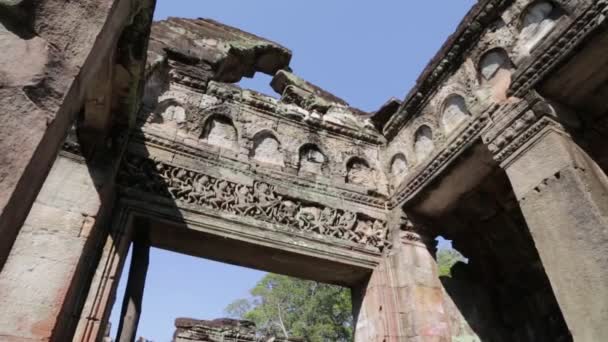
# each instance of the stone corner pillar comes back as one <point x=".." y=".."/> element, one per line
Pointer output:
<point x="563" y="195"/>
<point x="403" y="300"/>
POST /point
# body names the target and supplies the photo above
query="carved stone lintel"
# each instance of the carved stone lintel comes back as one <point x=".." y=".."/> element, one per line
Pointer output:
<point x="259" y="201"/>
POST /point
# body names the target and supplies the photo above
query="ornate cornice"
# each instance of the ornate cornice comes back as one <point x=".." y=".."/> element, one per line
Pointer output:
<point x="310" y="122"/>
<point x="434" y="166"/>
<point x="555" y="51"/>
<point x="516" y="124"/>
<point x="259" y="201"/>
<point x="448" y="59"/>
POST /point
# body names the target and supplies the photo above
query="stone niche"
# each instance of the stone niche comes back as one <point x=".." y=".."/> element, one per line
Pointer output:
<point x="492" y="63"/>
<point x="398" y="169"/>
<point x="267" y="149"/>
<point x="423" y="143"/>
<point x="220" y="131"/>
<point x="312" y="160"/>
<point x="537" y="22"/>
<point x="454" y="113"/>
<point x="359" y="172"/>
<point x="221" y="330"/>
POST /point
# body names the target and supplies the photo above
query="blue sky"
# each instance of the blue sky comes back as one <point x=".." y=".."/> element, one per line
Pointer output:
<point x="362" y="51"/>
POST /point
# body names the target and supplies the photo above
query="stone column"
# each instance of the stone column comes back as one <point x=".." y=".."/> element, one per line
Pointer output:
<point x="403" y="299"/>
<point x="563" y="195"/>
<point x="93" y="322"/>
<point x="51" y="260"/>
<point x="134" y="294"/>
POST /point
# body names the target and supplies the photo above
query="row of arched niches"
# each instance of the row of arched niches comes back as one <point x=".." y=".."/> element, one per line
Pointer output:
<point x="268" y="148"/>
<point x="482" y="79"/>
<point x="484" y="76"/>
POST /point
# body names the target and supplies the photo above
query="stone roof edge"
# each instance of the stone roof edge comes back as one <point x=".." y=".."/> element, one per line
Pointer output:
<point x="448" y="58"/>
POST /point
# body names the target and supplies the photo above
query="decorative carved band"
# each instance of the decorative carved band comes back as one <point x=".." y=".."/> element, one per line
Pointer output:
<point x="515" y="139"/>
<point x="259" y="201"/>
<point x="201" y="154"/>
<point x="516" y="124"/>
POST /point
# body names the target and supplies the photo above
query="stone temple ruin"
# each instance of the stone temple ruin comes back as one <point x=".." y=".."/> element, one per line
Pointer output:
<point x="220" y="330"/>
<point x="121" y="132"/>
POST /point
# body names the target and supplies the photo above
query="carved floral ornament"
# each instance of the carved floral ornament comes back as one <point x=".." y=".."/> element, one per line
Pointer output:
<point x="259" y="201"/>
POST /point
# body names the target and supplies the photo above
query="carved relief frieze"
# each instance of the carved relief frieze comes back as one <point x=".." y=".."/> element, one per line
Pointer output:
<point x="274" y="175"/>
<point x="259" y="201"/>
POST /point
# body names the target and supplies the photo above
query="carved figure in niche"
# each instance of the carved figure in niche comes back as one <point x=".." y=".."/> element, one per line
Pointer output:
<point x="454" y="112"/>
<point x="266" y="149"/>
<point x="223" y="195"/>
<point x="312" y="159"/>
<point x="243" y="200"/>
<point x="538" y="20"/>
<point x="423" y="145"/>
<point x="398" y="166"/>
<point x="358" y="172"/>
<point x="173" y="112"/>
<point x="267" y="201"/>
<point x="492" y="62"/>
<point x="219" y="131"/>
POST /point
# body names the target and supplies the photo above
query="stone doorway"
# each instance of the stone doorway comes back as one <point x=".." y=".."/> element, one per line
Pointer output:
<point x="182" y="286"/>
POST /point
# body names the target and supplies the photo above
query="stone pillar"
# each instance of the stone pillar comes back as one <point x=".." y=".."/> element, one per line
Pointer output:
<point x="403" y="299"/>
<point x="51" y="259"/>
<point x="134" y="293"/>
<point x="93" y="322"/>
<point x="33" y="128"/>
<point x="563" y="195"/>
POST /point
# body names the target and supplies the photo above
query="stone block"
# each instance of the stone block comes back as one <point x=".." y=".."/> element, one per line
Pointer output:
<point x="55" y="220"/>
<point x="541" y="161"/>
<point x="31" y="322"/>
<point x="35" y="280"/>
<point x="70" y="186"/>
<point x="48" y="244"/>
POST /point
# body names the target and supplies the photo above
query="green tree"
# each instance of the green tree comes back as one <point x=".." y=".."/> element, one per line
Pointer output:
<point x="290" y="307"/>
<point x="446" y="258"/>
